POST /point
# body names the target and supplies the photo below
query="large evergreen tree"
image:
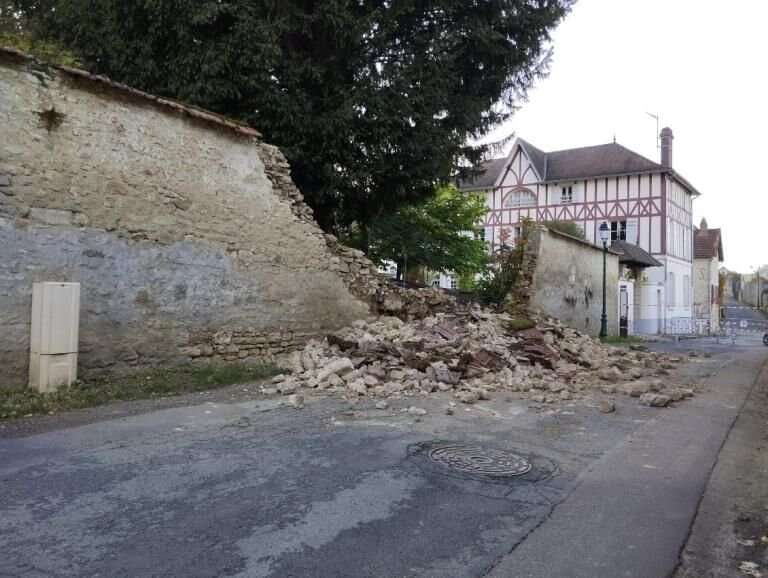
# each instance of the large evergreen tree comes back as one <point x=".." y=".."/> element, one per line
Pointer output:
<point x="373" y="101"/>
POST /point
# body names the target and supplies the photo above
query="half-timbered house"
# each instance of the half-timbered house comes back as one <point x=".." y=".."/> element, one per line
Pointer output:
<point x="645" y="203"/>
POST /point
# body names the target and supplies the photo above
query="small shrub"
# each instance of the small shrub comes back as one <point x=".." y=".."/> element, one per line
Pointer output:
<point x="501" y="277"/>
<point x="520" y="324"/>
<point x="625" y="340"/>
<point x="46" y="51"/>
<point x="567" y="227"/>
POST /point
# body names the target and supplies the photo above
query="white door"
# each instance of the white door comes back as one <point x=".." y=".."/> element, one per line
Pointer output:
<point x="626" y="311"/>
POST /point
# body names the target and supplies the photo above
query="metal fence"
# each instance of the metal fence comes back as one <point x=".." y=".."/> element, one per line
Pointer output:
<point x="703" y="327"/>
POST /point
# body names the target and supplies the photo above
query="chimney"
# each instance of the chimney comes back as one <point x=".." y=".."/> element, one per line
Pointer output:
<point x="666" y="146"/>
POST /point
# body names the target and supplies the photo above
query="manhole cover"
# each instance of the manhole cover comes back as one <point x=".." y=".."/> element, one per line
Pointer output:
<point x="478" y="460"/>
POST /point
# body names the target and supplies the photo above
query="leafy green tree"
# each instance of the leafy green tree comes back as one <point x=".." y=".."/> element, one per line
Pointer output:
<point x="14" y="33"/>
<point x="440" y="234"/>
<point x="373" y="101"/>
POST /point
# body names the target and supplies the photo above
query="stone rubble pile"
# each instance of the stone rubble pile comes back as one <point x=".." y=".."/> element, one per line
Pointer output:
<point x="472" y="354"/>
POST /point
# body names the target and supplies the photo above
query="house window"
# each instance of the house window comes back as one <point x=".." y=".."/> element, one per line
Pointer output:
<point x="686" y="291"/>
<point x="566" y="194"/>
<point x="518" y="232"/>
<point x="618" y="230"/>
<point x="454" y="283"/>
<point x="481" y="234"/>
<point x="519" y="199"/>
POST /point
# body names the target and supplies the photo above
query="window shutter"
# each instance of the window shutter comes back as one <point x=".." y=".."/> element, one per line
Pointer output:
<point x="632" y="231"/>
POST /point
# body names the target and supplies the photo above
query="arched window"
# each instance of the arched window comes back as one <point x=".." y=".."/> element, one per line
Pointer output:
<point x="521" y="198"/>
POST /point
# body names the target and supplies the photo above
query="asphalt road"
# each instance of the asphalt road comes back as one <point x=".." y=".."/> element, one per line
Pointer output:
<point x="261" y="490"/>
<point x="729" y="532"/>
<point x="744" y="319"/>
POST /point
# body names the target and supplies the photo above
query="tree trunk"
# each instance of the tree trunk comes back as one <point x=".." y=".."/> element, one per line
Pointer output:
<point x="365" y="239"/>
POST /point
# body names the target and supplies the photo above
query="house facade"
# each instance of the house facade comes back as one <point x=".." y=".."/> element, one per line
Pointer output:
<point x="645" y="204"/>
<point x="707" y="299"/>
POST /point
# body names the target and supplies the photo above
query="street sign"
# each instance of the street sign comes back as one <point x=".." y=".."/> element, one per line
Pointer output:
<point x="743" y="323"/>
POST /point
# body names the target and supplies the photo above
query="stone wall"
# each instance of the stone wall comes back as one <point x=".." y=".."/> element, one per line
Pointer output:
<point x="185" y="230"/>
<point x="706" y="286"/>
<point x="564" y="280"/>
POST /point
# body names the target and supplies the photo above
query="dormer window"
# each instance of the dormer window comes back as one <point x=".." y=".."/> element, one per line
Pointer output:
<point x="566" y="194"/>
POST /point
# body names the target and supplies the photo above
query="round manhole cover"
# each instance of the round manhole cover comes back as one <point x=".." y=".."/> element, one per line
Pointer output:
<point x="473" y="459"/>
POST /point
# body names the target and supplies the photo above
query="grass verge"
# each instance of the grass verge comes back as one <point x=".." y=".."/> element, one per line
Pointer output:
<point x="23" y="402"/>
<point x="617" y="340"/>
<point x="520" y="324"/>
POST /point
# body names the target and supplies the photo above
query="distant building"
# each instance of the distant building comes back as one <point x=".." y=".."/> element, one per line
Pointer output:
<point x="707" y="298"/>
<point x="646" y="204"/>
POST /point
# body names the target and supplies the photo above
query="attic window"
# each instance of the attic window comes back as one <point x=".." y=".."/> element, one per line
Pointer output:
<point x="519" y="199"/>
<point x="566" y="194"/>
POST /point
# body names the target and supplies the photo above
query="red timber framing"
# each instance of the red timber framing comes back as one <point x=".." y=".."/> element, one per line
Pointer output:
<point x="613" y="209"/>
<point x="647" y="199"/>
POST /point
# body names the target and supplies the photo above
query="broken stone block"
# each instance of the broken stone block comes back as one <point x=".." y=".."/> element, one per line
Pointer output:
<point x="636" y="373"/>
<point x="447" y="376"/>
<point x="468" y="397"/>
<point x="341" y="342"/>
<point x="358" y="387"/>
<point x="340" y="367"/>
<point x="287" y="387"/>
<point x="396" y="374"/>
<point x="296" y="401"/>
<point x="334" y="380"/>
<point x="382" y="405"/>
<point x="606" y="406"/>
<point x="655" y="385"/>
<point x="654" y="400"/>
<point x="638" y="388"/>
<point x="376" y="371"/>
<point x="611" y="374"/>
<point x="417" y="411"/>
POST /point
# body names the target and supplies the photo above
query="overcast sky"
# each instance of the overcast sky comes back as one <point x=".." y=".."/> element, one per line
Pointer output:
<point x="703" y="66"/>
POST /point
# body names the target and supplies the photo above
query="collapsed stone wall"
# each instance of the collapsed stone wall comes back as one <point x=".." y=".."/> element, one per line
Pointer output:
<point x="185" y="230"/>
<point x="562" y="278"/>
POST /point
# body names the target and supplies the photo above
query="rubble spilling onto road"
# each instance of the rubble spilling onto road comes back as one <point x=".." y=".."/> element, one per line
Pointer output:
<point x="472" y="355"/>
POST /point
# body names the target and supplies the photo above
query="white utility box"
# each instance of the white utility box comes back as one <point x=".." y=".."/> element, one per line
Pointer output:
<point x="54" y="337"/>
